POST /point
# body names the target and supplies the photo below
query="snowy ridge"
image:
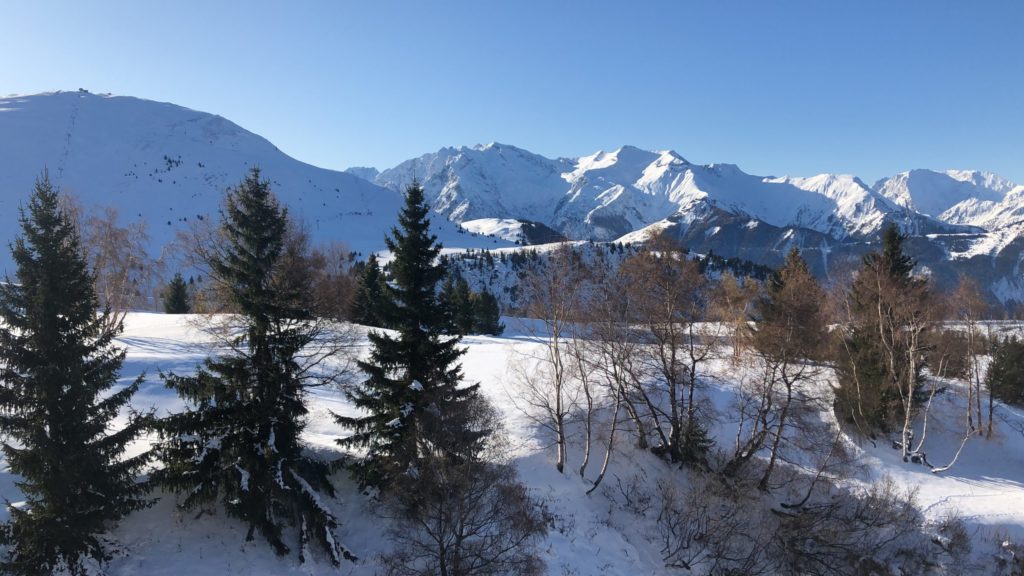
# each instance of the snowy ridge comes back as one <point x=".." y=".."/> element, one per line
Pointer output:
<point x="608" y="194"/>
<point x="935" y="193"/>
<point x="170" y="165"/>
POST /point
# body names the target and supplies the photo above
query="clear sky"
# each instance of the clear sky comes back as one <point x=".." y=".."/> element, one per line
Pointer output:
<point x="778" y="87"/>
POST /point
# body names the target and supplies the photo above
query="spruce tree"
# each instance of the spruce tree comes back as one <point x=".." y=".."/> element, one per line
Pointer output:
<point x="414" y="404"/>
<point x="238" y="441"/>
<point x="487" y="314"/>
<point x="176" y="297"/>
<point x="57" y="364"/>
<point x="369" y="307"/>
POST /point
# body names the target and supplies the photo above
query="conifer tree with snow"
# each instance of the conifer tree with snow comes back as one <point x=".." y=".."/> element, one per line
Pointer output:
<point x="57" y="368"/>
<point x="238" y="441"/>
<point x="415" y="407"/>
<point x="176" y="297"/>
<point x="369" y="307"/>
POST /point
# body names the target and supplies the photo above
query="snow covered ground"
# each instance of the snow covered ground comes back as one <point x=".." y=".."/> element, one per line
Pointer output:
<point x="597" y="534"/>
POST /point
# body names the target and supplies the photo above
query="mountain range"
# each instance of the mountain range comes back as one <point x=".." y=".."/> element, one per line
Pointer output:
<point x="169" y="166"/>
<point x="958" y="221"/>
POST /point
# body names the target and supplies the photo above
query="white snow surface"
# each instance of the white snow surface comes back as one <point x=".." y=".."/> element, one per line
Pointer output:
<point x="591" y="535"/>
<point x="504" y="228"/>
<point x="170" y="166"/>
<point x="933" y="193"/>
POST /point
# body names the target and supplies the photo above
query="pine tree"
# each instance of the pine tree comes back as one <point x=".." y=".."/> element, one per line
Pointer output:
<point x="238" y="442"/>
<point x="176" y="297"/>
<point x="416" y="407"/>
<point x="58" y="364"/>
<point x="487" y="315"/>
<point x="369" y="307"/>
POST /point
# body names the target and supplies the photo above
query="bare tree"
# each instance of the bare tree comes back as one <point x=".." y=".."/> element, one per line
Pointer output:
<point x="125" y="273"/>
<point x="554" y="290"/>
<point x="334" y="284"/>
<point x="671" y="300"/>
<point x="466" y="517"/>
<point x="969" y="308"/>
<point x="789" y="337"/>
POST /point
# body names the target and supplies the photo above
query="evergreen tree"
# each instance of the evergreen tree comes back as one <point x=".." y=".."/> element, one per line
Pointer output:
<point x="58" y="363"/>
<point x="369" y="306"/>
<point x="238" y="441"/>
<point x="415" y="406"/>
<point x="177" y="300"/>
<point x="1005" y="378"/>
<point x="884" y="298"/>
<point x="461" y="308"/>
<point x="487" y="314"/>
<point x="448" y="297"/>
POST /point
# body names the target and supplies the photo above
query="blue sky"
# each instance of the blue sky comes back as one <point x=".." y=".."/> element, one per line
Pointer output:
<point x="778" y="87"/>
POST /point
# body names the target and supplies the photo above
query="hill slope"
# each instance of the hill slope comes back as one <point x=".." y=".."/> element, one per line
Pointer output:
<point x="170" y="165"/>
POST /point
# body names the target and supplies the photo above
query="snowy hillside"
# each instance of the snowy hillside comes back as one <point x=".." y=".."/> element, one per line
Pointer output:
<point x="170" y="165"/>
<point x="612" y="531"/>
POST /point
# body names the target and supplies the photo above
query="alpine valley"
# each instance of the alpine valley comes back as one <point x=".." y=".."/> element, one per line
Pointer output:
<point x="169" y="166"/>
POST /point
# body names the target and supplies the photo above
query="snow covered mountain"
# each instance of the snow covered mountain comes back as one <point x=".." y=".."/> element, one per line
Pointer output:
<point x="935" y="193"/>
<point x="959" y="221"/>
<point x="608" y="194"/>
<point x="170" y="165"/>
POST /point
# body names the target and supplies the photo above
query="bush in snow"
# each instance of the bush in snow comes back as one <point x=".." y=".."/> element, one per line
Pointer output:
<point x="465" y="517"/>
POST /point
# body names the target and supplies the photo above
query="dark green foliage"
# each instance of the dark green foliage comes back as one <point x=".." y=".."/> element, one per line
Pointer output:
<point x="177" y="299"/>
<point x="416" y="408"/>
<point x="370" y="306"/>
<point x="487" y="314"/>
<point x="883" y="297"/>
<point x="238" y="440"/>
<point x="457" y="301"/>
<point x="58" y="363"/>
<point x="1005" y="378"/>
